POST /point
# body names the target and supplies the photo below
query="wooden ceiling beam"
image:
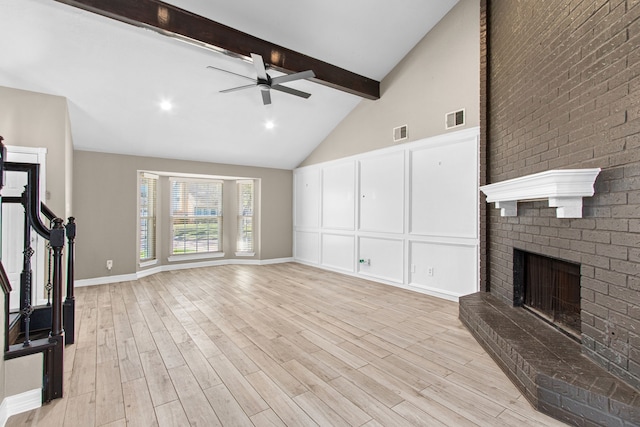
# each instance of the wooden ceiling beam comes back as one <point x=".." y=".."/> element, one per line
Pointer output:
<point x="181" y="24"/>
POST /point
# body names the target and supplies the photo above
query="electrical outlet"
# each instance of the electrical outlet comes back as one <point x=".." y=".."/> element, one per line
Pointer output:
<point x="429" y="271"/>
<point x="109" y="264"/>
<point x="413" y="268"/>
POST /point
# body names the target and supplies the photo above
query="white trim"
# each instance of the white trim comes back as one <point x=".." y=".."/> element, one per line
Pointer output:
<point x="245" y="253"/>
<point x="410" y="287"/>
<point x="276" y="261"/>
<point x="150" y="271"/>
<point x="434" y="292"/>
<point x="149" y="263"/>
<point x="190" y="257"/>
<point x="40" y="151"/>
<point x="106" y="279"/>
<point x="18" y="403"/>
<point x="564" y="188"/>
<point x="149" y="175"/>
<point x="39" y="257"/>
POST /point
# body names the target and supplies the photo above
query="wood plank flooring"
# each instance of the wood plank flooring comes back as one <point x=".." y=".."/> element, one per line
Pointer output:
<point x="278" y="345"/>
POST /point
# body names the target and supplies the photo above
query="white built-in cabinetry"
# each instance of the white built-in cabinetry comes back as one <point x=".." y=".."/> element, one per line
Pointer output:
<point x="405" y="215"/>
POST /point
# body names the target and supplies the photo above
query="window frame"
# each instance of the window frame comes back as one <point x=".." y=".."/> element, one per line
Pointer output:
<point x="153" y="259"/>
<point x="240" y="216"/>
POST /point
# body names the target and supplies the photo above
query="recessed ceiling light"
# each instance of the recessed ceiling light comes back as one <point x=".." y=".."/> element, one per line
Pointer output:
<point x="166" y="105"/>
<point x="269" y="124"/>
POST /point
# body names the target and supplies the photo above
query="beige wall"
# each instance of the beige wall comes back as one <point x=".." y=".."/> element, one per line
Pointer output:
<point x="440" y="75"/>
<point x="31" y="119"/>
<point x="105" y="205"/>
<point x="23" y="374"/>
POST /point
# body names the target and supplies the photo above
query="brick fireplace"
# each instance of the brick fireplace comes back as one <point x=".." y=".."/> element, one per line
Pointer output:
<point x="561" y="90"/>
<point x="536" y="340"/>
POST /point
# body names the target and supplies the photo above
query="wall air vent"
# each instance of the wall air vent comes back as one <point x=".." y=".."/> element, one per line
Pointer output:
<point x="454" y="119"/>
<point x="400" y="133"/>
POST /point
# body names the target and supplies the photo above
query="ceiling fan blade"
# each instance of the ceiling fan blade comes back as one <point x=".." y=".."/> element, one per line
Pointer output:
<point x="295" y="76"/>
<point x="259" y="64"/>
<point x="230" y="72"/>
<point x="291" y="91"/>
<point x="266" y="97"/>
<point x="233" y="89"/>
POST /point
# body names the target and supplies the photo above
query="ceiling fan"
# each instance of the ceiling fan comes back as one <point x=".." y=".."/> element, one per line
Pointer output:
<point x="265" y="82"/>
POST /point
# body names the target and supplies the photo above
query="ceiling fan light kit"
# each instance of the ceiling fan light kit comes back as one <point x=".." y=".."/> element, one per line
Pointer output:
<point x="265" y="82"/>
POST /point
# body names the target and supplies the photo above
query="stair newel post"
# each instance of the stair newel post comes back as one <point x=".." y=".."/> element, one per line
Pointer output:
<point x="26" y="308"/>
<point x="55" y="357"/>
<point x="70" y="302"/>
<point x="57" y="243"/>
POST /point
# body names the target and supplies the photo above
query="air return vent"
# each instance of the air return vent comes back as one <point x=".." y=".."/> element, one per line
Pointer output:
<point x="400" y="133"/>
<point x="454" y="119"/>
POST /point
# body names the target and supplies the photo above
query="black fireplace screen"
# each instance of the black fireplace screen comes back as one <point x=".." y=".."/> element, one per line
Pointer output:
<point x="551" y="288"/>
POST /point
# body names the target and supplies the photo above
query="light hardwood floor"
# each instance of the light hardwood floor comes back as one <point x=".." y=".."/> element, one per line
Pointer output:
<point x="275" y="345"/>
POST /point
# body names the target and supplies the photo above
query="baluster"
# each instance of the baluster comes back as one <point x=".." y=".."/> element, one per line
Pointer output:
<point x="26" y="309"/>
<point x="47" y="212"/>
<point x="48" y="286"/>
<point x="69" y="302"/>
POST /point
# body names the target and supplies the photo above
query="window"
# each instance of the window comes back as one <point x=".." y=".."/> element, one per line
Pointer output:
<point x="196" y="216"/>
<point x="245" y="217"/>
<point x="148" y="209"/>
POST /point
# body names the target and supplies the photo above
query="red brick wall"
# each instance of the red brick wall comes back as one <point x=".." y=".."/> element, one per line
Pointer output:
<point x="564" y="92"/>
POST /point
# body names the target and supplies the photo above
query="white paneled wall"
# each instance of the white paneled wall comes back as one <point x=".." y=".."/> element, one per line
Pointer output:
<point x="307" y="248"/>
<point x="307" y="196"/>
<point x="338" y="251"/>
<point x="382" y="193"/>
<point x="382" y="258"/>
<point x="405" y="215"/>
<point x="339" y="196"/>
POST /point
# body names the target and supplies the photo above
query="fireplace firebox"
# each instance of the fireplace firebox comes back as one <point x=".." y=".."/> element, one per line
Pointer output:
<point x="550" y="288"/>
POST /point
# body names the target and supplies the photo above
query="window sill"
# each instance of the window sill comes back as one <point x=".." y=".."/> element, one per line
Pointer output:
<point x="188" y="257"/>
<point x="245" y="253"/>
<point x="148" y="263"/>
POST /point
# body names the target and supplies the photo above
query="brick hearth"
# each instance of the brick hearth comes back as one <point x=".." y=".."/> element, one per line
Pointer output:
<point x="548" y="367"/>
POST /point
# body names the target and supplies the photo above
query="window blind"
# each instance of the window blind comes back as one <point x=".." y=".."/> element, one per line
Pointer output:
<point x="148" y="209"/>
<point x="196" y="216"/>
<point x="245" y="216"/>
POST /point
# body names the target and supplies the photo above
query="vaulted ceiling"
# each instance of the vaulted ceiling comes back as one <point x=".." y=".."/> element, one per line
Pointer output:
<point x="115" y="75"/>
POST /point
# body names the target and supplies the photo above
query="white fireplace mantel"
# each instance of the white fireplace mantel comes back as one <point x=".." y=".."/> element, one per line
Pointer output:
<point x="564" y="188"/>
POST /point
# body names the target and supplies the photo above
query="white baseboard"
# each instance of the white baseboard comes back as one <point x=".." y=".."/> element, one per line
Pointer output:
<point x="438" y="293"/>
<point x="172" y="267"/>
<point x="18" y="403"/>
<point x="104" y="280"/>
